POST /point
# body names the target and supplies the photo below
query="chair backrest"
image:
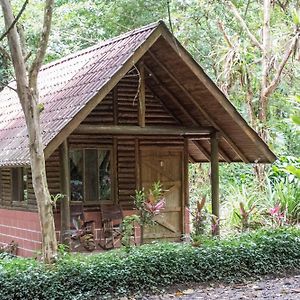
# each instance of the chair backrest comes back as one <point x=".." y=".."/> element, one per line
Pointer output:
<point x="111" y="212"/>
<point x="76" y="213"/>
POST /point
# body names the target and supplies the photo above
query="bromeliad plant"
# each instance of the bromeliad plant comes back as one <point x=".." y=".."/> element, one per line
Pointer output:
<point x="199" y="217"/>
<point x="149" y="204"/>
<point x="245" y="216"/>
<point x="278" y="216"/>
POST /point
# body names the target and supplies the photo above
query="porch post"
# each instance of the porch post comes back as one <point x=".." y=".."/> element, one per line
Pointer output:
<point x="65" y="190"/>
<point x="215" y="183"/>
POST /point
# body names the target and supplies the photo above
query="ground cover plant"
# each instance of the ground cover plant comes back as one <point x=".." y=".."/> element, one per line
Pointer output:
<point x="151" y="267"/>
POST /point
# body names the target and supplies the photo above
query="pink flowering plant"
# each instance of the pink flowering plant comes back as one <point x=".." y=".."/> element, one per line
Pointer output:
<point x="278" y="216"/>
<point x="149" y="204"/>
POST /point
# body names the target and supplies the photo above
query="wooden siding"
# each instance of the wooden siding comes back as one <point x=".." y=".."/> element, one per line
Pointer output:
<point x="126" y="106"/>
<point x="6" y="187"/>
<point x="126" y="171"/>
<point x="103" y="113"/>
<point x="53" y="173"/>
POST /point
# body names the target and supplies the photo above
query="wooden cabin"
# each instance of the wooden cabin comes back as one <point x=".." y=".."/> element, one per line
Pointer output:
<point x="119" y="116"/>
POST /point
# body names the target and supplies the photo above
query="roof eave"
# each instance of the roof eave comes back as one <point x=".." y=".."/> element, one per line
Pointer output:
<point x="270" y="157"/>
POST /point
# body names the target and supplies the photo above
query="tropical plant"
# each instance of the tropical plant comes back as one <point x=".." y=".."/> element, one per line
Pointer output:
<point x="149" y="205"/>
<point x="286" y="198"/>
<point x="199" y="218"/>
<point x="128" y="228"/>
<point x="243" y="207"/>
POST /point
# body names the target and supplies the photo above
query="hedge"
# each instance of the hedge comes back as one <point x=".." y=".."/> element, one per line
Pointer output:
<point x="151" y="267"/>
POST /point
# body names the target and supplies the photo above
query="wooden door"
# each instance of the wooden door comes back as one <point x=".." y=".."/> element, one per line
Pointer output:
<point x="165" y="166"/>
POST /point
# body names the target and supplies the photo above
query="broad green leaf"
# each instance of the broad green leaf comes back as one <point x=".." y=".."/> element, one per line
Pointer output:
<point x="296" y="119"/>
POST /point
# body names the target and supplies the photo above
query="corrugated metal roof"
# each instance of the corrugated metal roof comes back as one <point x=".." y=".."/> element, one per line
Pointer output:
<point x="65" y="87"/>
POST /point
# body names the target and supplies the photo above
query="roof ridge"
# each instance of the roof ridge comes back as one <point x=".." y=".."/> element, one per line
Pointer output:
<point x="101" y="44"/>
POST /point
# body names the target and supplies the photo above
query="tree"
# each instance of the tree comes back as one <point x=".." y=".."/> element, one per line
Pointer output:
<point x="272" y="63"/>
<point x="27" y="89"/>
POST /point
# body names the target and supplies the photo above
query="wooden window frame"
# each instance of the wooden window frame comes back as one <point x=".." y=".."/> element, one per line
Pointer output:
<point x="113" y="181"/>
<point x="20" y="186"/>
<point x="1" y="188"/>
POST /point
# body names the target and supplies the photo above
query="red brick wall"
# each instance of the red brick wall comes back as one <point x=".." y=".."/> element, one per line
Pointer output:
<point x="22" y="227"/>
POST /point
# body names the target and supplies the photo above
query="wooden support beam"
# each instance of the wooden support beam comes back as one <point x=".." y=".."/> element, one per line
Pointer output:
<point x="205" y="114"/>
<point x="142" y="95"/>
<point x="65" y="190"/>
<point x="149" y="130"/>
<point x="186" y="174"/>
<point x="215" y="184"/>
<point x="224" y="154"/>
<point x="191" y="159"/>
<point x="202" y="149"/>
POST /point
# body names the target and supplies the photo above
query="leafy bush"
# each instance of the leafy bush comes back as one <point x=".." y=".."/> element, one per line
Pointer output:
<point x="151" y="267"/>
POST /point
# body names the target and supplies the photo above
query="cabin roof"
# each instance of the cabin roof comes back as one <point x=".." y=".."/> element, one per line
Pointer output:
<point x="71" y="87"/>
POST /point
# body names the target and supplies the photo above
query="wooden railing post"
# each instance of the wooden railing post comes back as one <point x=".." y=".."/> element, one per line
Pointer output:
<point x="215" y="184"/>
<point x="65" y="190"/>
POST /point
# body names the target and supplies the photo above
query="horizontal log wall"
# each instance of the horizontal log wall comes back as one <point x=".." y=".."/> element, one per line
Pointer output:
<point x="53" y="173"/>
<point x="126" y="169"/>
<point x="6" y="187"/>
<point x="121" y="107"/>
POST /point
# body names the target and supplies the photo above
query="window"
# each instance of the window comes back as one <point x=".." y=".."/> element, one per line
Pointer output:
<point x="1" y="187"/>
<point x="90" y="175"/>
<point x="19" y="177"/>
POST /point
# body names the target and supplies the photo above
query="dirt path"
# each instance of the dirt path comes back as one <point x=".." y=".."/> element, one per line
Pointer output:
<point x="287" y="288"/>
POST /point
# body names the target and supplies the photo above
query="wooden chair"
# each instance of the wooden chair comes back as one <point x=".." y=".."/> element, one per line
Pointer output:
<point x="78" y="217"/>
<point x="82" y="230"/>
<point x="112" y="218"/>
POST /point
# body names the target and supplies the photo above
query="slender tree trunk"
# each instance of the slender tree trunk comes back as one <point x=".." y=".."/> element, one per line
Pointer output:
<point x="40" y="185"/>
<point x="28" y="96"/>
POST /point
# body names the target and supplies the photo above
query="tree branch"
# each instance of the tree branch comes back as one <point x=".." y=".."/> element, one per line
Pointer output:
<point x="21" y="33"/>
<point x="237" y="15"/>
<point x="272" y="86"/>
<point x="3" y="85"/>
<point x="266" y="45"/>
<point x="38" y="60"/>
<point x="221" y="27"/>
<point x="14" y="21"/>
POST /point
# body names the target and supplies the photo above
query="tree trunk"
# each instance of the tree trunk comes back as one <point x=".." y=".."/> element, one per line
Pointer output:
<point x="40" y="185"/>
<point x="28" y="96"/>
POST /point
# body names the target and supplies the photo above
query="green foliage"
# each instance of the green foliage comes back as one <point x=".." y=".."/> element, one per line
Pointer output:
<point x="285" y="169"/>
<point x="149" y="204"/>
<point x="128" y="226"/>
<point x="287" y="196"/>
<point x="151" y="267"/>
<point x="249" y="198"/>
<point x="200" y="217"/>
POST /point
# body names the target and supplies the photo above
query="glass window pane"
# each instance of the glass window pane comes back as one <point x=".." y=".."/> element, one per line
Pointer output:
<point x="17" y="184"/>
<point x="91" y="175"/>
<point x="104" y="175"/>
<point x="76" y="174"/>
